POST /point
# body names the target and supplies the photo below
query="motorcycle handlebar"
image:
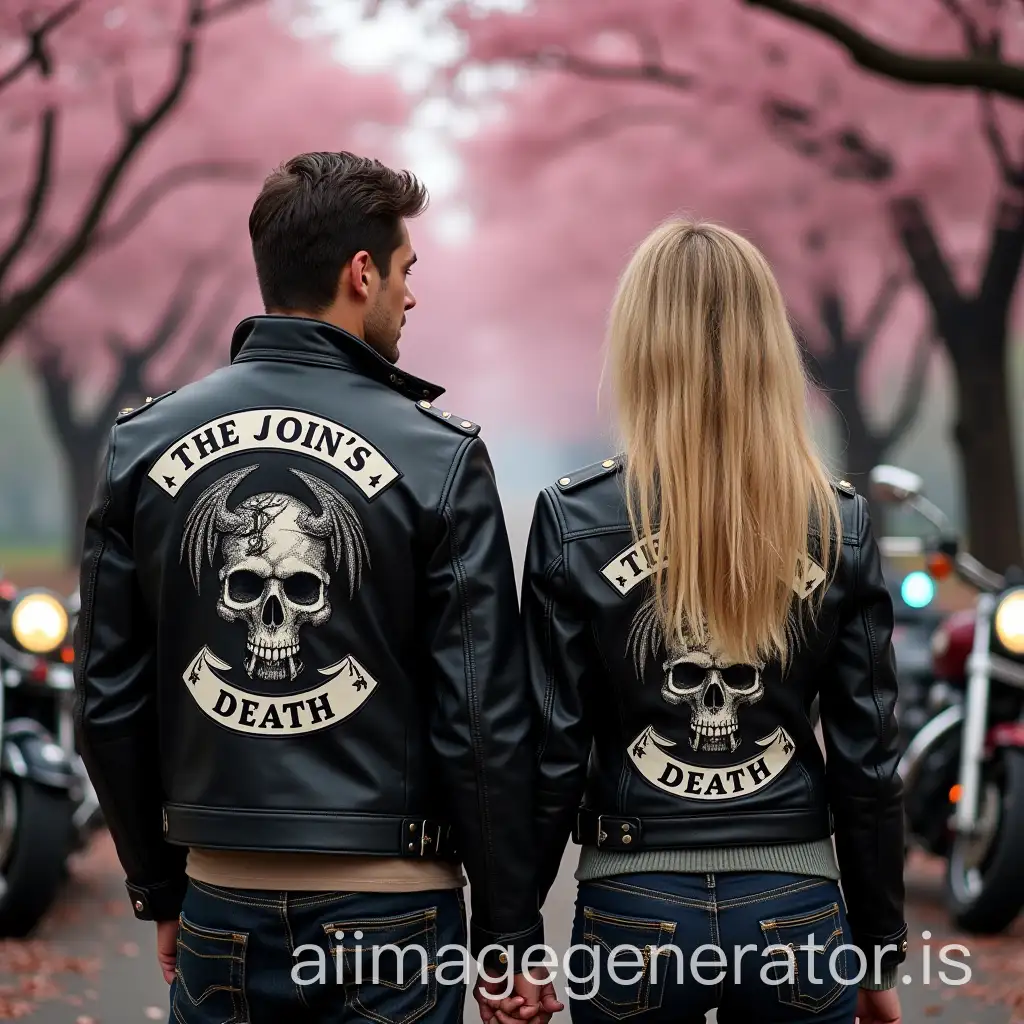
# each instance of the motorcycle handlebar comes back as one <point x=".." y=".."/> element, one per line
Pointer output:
<point x="968" y="568"/>
<point x="973" y="572"/>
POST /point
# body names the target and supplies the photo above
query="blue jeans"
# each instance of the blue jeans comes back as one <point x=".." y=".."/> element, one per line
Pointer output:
<point x="663" y="977"/>
<point x="240" y="961"/>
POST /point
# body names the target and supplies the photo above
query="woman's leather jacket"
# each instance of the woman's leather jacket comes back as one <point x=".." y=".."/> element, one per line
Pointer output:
<point x="685" y="751"/>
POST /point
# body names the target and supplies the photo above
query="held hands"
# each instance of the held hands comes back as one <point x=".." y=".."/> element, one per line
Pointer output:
<point x="527" y="1002"/>
<point x="167" y="948"/>
<point x="878" y="1007"/>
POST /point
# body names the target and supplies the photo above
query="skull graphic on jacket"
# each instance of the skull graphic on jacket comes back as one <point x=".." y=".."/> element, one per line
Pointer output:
<point x="277" y="553"/>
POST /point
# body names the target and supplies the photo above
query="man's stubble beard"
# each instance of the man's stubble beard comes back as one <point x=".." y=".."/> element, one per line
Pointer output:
<point x="379" y="334"/>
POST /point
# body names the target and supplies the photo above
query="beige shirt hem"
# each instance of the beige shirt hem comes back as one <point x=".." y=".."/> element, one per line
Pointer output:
<point x="318" y="872"/>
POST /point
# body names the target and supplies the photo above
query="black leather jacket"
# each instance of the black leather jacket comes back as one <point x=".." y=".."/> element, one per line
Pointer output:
<point x="686" y="752"/>
<point x="300" y="628"/>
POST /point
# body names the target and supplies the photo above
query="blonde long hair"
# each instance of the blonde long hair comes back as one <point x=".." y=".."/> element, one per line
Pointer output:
<point x="712" y="403"/>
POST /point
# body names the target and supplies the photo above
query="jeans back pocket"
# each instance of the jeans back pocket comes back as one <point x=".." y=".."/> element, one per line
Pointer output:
<point x="388" y="964"/>
<point x="629" y="979"/>
<point x="810" y="961"/>
<point x="210" y="975"/>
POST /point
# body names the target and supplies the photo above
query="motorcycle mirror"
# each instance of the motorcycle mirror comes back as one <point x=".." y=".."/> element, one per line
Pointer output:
<point x="891" y="483"/>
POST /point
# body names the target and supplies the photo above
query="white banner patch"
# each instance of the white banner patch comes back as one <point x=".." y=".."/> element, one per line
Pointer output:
<point x="701" y="782"/>
<point x="634" y="564"/>
<point x="807" y="580"/>
<point x="321" y="707"/>
<point x="281" y="429"/>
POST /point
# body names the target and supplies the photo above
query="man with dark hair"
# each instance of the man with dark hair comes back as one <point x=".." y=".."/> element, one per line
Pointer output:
<point x="319" y="212"/>
<point x="301" y="693"/>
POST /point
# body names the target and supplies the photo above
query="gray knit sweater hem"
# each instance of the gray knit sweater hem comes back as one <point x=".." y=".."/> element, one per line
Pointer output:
<point x="816" y="859"/>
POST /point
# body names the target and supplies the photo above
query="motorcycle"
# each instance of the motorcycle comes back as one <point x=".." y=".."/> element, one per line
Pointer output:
<point x="963" y="769"/>
<point x="48" y="807"/>
<point x="915" y="620"/>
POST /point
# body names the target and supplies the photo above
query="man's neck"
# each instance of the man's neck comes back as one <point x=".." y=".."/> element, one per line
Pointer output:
<point x="343" y="319"/>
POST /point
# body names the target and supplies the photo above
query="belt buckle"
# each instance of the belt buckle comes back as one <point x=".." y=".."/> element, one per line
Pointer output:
<point x="601" y="834"/>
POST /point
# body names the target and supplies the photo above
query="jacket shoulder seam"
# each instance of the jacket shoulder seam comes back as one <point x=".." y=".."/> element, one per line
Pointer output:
<point x="551" y="494"/>
<point x="597" y="531"/>
<point x="449" y="481"/>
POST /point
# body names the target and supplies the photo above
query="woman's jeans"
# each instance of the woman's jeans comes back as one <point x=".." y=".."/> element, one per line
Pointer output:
<point x="764" y="948"/>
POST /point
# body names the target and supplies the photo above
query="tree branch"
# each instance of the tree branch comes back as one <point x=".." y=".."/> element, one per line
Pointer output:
<point x="915" y="232"/>
<point x="844" y="151"/>
<point x="45" y="356"/>
<point x="128" y="383"/>
<point x="968" y="25"/>
<point x="1006" y="251"/>
<point x="814" y="366"/>
<point x="1011" y="174"/>
<point x="36" y="52"/>
<point x="913" y="392"/>
<point x="974" y="72"/>
<point x="35" y="202"/>
<point x="879" y="311"/>
<point x="830" y="309"/>
<point x="200" y="353"/>
<point x="179" y="305"/>
<point x="165" y="183"/>
<point x="19" y="305"/>
<point x="653" y="72"/>
<point x="215" y="11"/>
<point x="124" y="98"/>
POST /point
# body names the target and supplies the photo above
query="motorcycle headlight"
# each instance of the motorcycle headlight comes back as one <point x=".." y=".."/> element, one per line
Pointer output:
<point x="1009" y="622"/>
<point x="39" y="622"/>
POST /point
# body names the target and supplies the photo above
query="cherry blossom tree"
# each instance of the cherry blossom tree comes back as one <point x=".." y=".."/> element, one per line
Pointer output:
<point x="151" y="308"/>
<point x="978" y="67"/>
<point x="98" y="77"/>
<point x="662" y="105"/>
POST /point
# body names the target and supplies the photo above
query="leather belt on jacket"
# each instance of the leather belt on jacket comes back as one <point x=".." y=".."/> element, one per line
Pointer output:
<point x="308" y="831"/>
<point x="624" y="832"/>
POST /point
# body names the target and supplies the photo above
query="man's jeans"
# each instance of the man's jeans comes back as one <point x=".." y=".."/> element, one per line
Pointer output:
<point x="775" y="916"/>
<point x="240" y="959"/>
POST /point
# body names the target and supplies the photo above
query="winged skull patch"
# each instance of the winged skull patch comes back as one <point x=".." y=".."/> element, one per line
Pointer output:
<point x="278" y="560"/>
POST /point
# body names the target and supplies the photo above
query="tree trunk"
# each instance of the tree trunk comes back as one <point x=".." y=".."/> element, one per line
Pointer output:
<point x="864" y="450"/>
<point x="82" y="453"/>
<point x="976" y="334"/>
<point x="984" y="435"/>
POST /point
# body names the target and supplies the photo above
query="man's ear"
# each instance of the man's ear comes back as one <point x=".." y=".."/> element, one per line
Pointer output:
<point x="359" y="274"/>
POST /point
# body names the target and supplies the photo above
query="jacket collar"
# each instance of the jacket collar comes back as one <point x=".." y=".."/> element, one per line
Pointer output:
<point x="258" y="337"/>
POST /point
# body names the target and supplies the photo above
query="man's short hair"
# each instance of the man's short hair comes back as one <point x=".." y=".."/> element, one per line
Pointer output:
<point x="318" y="210"/>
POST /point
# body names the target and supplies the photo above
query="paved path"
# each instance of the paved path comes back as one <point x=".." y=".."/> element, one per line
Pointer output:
<point x="93" y="963"/>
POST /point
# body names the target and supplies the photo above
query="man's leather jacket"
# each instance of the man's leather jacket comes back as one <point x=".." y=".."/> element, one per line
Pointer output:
<point x="300" y="629"/>
<point x="686" y="751"/>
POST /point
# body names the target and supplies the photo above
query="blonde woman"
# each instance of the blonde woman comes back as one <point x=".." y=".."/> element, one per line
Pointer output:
<point x="684" y="603"/>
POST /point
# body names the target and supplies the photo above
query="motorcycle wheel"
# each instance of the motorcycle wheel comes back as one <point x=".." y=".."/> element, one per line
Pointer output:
<point x="984" y="881"/>
<point x="35" y="825"/>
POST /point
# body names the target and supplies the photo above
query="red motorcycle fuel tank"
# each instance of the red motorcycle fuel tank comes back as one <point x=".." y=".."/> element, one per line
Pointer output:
<point x="951" y="646"/>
